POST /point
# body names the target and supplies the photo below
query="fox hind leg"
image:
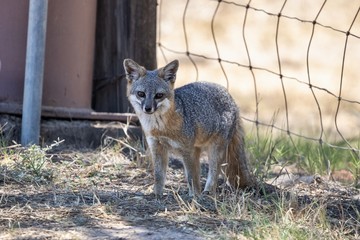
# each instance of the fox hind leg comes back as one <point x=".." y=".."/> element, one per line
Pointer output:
<point x="216" y="155"/>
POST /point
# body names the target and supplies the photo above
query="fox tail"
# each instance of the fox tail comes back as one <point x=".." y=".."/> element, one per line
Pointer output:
<point x="237" y="170"/>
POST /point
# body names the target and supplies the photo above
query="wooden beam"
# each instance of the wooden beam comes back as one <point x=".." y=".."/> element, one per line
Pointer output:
<point x="125" y="29"/>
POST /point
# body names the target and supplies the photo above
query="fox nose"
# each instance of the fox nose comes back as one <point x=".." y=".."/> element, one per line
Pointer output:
<point x="148" y="109"/>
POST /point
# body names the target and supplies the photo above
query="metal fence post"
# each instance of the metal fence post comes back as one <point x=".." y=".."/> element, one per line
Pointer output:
<point x="34" y="72"/>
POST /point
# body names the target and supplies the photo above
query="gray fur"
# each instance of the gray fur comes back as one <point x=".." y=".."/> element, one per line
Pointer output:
<point x="217" y="114"/>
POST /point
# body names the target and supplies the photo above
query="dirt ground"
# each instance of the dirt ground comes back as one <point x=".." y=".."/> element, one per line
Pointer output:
<point x="83" y="195"/>
<point x="103" y="195"/>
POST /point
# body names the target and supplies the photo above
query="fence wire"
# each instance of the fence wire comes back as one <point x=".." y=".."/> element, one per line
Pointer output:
<point x="174" y="42"/>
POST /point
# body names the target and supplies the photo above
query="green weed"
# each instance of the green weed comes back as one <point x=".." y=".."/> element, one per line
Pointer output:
<point x="308" y="156"/>
<point x="28" y="164"/>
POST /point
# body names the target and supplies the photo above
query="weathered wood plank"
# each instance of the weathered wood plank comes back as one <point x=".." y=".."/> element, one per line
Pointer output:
<point x="125" y="29"/>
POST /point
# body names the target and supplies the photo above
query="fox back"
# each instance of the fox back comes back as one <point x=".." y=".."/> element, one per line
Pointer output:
<point x="197" y="117"/>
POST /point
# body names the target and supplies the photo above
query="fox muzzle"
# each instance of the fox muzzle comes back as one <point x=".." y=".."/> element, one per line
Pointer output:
<point x="149" y="106"/>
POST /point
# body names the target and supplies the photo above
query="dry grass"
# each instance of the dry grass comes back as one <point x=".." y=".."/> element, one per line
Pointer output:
<point x="101" y="193"/>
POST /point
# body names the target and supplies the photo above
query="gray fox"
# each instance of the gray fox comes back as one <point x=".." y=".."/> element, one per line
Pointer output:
<point x="197" y="117"/>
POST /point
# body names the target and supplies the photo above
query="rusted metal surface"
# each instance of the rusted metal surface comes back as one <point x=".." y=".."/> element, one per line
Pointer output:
<point x="69" y="53"/>
<point x="13" y="28"/>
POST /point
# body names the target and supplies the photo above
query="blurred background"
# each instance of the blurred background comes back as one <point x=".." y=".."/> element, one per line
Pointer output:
<point x="304" y="76"/>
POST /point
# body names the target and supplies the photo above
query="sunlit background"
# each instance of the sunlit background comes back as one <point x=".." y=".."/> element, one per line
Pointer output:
<point x="303" y="41"/>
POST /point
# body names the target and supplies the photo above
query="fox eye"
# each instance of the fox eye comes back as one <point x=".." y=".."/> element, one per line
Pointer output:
<point x="141" y="94"/>
<point x="159" y="95"/>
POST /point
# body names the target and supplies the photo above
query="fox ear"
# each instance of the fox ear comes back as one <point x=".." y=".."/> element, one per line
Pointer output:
<point x="168" y="73"/>
<point x="133" y="70"/>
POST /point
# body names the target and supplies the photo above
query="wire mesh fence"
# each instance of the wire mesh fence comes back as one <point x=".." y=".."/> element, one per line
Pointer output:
<point x="292" y="66"/>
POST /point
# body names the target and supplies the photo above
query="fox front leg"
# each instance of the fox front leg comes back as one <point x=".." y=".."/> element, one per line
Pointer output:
<point x="160" y="158"/>
<point x="191" y="161"/>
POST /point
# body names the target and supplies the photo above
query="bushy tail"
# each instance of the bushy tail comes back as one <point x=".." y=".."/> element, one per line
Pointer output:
<point x="237" y="170"/>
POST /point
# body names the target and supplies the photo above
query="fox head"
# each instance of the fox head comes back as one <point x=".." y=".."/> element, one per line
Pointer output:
<point x="150" y="91"/>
